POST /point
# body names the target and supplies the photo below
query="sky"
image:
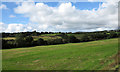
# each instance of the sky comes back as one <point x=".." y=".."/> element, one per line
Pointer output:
<point x="59" y="16"/>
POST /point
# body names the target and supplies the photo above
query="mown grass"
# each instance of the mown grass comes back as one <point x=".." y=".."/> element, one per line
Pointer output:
<point x="95" y="55"/>
<point x="78" y="36"/>
<point x="9" y="38"/>
<point x="45" y="37"/>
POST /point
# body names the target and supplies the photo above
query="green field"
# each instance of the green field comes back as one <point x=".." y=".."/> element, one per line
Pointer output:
<point x="94" y="55"/>
<point x="47" y="36"/>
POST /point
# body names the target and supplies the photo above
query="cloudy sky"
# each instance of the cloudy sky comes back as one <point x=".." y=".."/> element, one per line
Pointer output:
<point x="59" y="16"/>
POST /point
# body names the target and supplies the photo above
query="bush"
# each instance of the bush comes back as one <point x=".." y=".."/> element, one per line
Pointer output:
<point x="84" y="38"/>
<point x="50" y="42"/>
<point x="5" y="45"/>
<point x="34" y="43"/>
<point x="12" y="43"/>
<point x="113" y="35"/>
<point x="58" y="41"/>
<point x="72" y="39"/>
<point x="64" y="36"/>
<point x="54" y="41"/>
<point x="28" y="41"/>
<point x="40" y="41"/>
<point x="20" y="41"/>
<point x="65" y="40"/>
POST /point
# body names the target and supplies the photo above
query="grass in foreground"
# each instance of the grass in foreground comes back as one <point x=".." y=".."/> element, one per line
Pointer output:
<point x="95" y="55"/>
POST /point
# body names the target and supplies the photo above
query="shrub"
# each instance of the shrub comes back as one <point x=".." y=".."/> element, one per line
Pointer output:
<point x="20" y="41"/>
<point x="28" y="41"/>
<point x="54" y="41"/>
<point x="40" y="41"/>
<point x="12" y="43"/>
<point x="84" y="38"/>
<point x="58" y="41"/>
<point x="113" y="35"/>
<point x="64" y="36"/>
<point x="5" y="45"/>
<point x="72" y="39"/>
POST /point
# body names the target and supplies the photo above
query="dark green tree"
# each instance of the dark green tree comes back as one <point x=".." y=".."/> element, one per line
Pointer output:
<point x="5" y="45"/>
<point x="72" y="39"/>
<point x="29" y="41"/>
<point x="84" y="38"/>
<point x="40" y="41"/>
<point x="20" y="40"/>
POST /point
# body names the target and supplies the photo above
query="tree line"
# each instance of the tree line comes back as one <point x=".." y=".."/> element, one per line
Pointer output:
<point x="26" y="40"/>
<point x="34" y="33"/>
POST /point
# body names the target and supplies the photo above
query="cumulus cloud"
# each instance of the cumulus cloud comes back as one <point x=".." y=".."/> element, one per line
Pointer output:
<point x="2" y="6"/>
<point x="66" y="17"/>
<point x="1" y="26"/>
<point x="14" y="28"/>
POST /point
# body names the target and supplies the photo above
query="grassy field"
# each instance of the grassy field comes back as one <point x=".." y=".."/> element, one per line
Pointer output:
<point x="47" y="36"/>
<point x="9" y="38"/>
<point x="95" y="55"/>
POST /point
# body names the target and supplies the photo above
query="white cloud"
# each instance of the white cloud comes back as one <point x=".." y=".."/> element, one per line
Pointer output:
<point x="2" y="6"/>
<point x="1" y="28"/>
<point x="14" y="28"/>
<point x="66" y="17"/>
<point x="12" y="16"/>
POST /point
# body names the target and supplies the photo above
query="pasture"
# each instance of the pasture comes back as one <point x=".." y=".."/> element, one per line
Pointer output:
<point x="94" y="55"/>
<point x="46" y="37"/>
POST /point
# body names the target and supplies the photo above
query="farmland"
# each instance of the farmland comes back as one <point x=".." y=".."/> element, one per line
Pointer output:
<point x="94" y="55"/>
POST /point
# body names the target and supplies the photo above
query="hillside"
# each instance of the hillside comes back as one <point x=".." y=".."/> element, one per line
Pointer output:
<point x="94" y="55"/>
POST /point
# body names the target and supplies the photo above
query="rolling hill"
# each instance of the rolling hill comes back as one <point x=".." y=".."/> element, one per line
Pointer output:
<point x="94" y="55"/>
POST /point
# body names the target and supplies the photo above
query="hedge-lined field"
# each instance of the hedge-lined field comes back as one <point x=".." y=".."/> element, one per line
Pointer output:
<point x="30" y="39"/>
<point x="94" y="55"/>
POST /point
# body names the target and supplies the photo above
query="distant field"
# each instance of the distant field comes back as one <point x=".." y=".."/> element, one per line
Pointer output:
<point x="78" y="36"/>
<point x="47" y="36"/>
<point x="9" y="38"/>
<point x="95" y="55"/>
<point x="44" y="36"/>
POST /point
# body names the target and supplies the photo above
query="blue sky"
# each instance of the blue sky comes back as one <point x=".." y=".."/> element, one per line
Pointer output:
<point x="59" y="16"/>
<point x="10" y="11"/>
<point x="20" y="18"/>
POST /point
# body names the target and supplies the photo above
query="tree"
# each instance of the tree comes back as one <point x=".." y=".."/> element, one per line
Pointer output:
<point x="113" y="34"/>
<point x="72" y="39"/>
<point x="40" y="41"/>
<point x="5" y="45"/>
<point x="58" y="41"/>
<point x="64" y="36"/>
<point x="84" y="38"/>
<point x="20" y="41"/>
<point x="29" y="41"/>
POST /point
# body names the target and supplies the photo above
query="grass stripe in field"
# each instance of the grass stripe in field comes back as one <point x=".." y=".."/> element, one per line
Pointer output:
<point x="73" y="56"/>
